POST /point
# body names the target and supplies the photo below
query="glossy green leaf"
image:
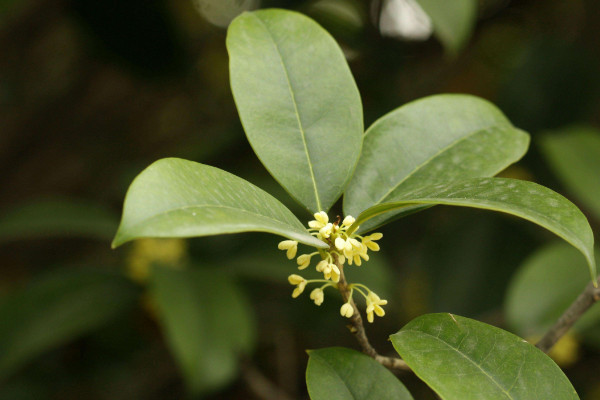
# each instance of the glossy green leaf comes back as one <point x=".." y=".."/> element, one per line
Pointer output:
<point x="57" y="218"/>
<point x="453" y="21"/>
<point x="298" y="103"/>
<point x="437" y="139"/>
<point x="574" y="155"/>
<point x="544" y="287"/>
<point x="464" y="359"/>
<point x="337" y="373"/>
<point x="207" y="323"/>
<point x="179" y="198"/>
<point x="56" y="309"/>
<point x="523" y="199"/>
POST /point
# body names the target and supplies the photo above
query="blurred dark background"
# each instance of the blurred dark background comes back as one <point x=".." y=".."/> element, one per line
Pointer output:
<point x="93" y="92"/>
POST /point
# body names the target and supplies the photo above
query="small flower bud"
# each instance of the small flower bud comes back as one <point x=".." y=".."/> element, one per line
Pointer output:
<point x="335" y="273"/>
<point x="322" y="217"/>
<point x="295" y="279"/>
<point x="291" y="246"/>
<point x="317" y="296"/>
<point x="347" y="310"/>
<point x="349" y="220"/>
<point x="315" y="224"/>
<point x="325" y="231"/>
<point x="340" y="243"/>
<point x="322" y="265"/>
<point x="303" y="261"/>
<point x="299" y="289"/>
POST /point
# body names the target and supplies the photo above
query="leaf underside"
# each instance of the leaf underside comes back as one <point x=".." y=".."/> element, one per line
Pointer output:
<point x="523" y="199"/>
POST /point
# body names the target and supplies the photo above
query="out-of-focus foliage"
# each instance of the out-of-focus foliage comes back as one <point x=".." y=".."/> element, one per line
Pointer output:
<point x="574" y="155"/>
<point x="207" y="323"/>
<point x="56" y="309"/>
<point x="543" y="288"/>
<point x="453" y="21"/>
<point x="57" y="218"/>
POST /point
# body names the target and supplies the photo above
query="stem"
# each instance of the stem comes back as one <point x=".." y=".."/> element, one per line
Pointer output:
<point x="584" y="301"/>
<point x="358" y="328"/>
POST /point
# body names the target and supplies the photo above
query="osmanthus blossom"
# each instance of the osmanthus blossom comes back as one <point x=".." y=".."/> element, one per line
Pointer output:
<point x="344" y="248"/>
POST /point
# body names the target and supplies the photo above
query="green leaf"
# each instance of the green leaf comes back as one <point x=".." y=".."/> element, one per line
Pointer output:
<point x="453" y="21"/>
<point x="57" y="218"/>
<point x="523" y="199"/>
<point x="464" y="359"/>
<point x="437" y="139"/>
<point x="56" y="309"/>
<point x="207" y="322"/>
<point x="544" y="287"/>
<point x="574" y="155"/>
<point x="337" y="373"/>
<point x="298" y="103"/>
<point x="179" y="198"/>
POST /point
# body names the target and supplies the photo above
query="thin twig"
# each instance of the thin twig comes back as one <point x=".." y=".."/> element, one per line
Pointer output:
<point x="358" y="328"/>
<point x="260" y="385"/>
<point x="586" y="299"/>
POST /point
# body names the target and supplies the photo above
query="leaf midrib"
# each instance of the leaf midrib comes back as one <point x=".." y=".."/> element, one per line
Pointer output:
<point x="296" y="113"/>
<point x="465" y="357"/>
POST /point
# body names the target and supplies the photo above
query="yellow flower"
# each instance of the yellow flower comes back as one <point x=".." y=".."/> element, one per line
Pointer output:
<point x="304" y="261"/>
<point x="291" y="246"/>
<point x="300" y="283"/>
<point x="322" y="266"/>
<point x="325" y="231"/>
<point x="334" y="273"/>
<point x="349" y="220"/>
<point x="321" y="219"/>
<point x="369" y="241"/>
<point x="374" y="304"/>
<point x="347" y="310"/>
<point x="295" y="279"/>
<point x="317" y="296"/>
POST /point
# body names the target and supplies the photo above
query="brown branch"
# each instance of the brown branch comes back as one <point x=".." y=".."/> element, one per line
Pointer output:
<point x="586" y="299"/>
<point x="357" y="327"/>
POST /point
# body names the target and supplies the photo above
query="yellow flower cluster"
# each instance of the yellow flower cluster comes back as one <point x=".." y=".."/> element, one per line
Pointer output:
<point x="343" y="247"/>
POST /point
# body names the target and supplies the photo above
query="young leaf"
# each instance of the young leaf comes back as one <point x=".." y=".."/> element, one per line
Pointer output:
<point x="56" y="309"/>
<point x="437" y="139"/>
<point x="337" y="373"/>
<point x="533" y="304"/>
<point x="206" y="321"/>
<point x="523" y="199"/>
<point x="574" y="155"/>
<point x="464" y="359"/>
<point x="453" y="21"/>
<point x="179" y="198"/>
<point x="298" y="103"/>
